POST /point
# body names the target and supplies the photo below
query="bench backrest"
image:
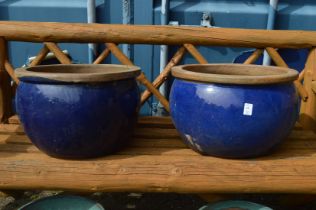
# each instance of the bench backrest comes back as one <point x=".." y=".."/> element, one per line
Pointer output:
<point x="186" y="37"/>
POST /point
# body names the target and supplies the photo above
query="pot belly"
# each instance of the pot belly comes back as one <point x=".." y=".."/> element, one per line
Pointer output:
<point x="78" y="120"/>
<point x="234" y="121"/>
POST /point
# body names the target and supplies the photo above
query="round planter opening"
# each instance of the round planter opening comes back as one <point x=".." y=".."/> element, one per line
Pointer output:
<point x="78" y="73"/>
<point x="78" y="111"/>
<point x="232" y="110"/>
<point x="234" y="74"/>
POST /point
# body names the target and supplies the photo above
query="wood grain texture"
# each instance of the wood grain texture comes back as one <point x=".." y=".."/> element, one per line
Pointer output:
<point x="10" y="70"/>
<point x="102" y="56"/>
<point x="308" y="108"/>
<point x="141" y="78"/>
<point x="314" y="86"/>
<point x="275" y="56"/>
<point x="254" y="56"/>
<point x="301" y="75"/>
<point x="195" y="53"/>
<point x="163" y="76"/>
<point x="5" y="87"/>
<point x="53" y="47"/>
<point x="159" y="164"/>
<point x="143" y="121"/>
<point x="40" y="56"/>
<point x="142" y="34"/>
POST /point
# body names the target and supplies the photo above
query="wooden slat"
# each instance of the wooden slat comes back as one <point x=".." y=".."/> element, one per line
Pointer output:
<point x="144" y="121"/>
<point x="5" y="87"/>
<point x="53" y="47"/>
<point x="140" y="132"/>
<point x="293" y="144"/>
<point x="308" y="108"/>
<point x="254" y="56"/>
<point x="136" y="142"/>
<point x="156" y="133"/>
<point x="275" y="56"/>
<point x="158" y="122"/>
<point x="102" y="56"/>
<point x="10" y="69"/>
<point x="163" y="76"/>
<point x="195" y="53"/>
<point x="14" y="120"/>
<point x="40" y="56"/>
<point x="155" y="164"/>
<point x="11" y="128"/>
<point x="161" y="35"/>
<point x="301" y="75"/>
<point x="141" y="78"/>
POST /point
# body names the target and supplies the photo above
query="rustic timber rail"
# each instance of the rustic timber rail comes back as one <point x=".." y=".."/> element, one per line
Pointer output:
<point x="156" y="160"/>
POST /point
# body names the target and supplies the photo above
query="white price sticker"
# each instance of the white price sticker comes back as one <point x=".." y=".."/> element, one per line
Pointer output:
<point x="248" y="109"/>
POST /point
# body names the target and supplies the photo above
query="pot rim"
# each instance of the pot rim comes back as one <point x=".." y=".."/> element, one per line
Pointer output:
<point x="77" y="73"/>
<point x="241" y="74"/>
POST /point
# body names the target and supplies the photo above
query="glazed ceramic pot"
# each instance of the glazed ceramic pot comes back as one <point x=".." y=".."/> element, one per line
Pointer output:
<point x="78" y="111"/>
<point x="233" y="110"/>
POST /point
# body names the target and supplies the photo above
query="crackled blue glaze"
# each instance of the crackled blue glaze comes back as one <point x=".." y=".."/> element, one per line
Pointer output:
<point x="77" y="120"/>
<point x="213" y="119"/>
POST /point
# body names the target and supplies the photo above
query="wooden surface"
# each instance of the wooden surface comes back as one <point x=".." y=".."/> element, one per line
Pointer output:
<point x="102" y="56"/>
<point x="195" y="53"/>
<point x="40" y="56"/>
<point x="5" y="88"/>
<point x="53" y="47"/>
<point x="157" y="161"/>
<point x="278" y="60"/>
<point x="163" y="76"/>
<point x="254" y="56"/>
<point x="141" y="78"/>
<point x="308" y="108"/>
<point x="142" y="34"/>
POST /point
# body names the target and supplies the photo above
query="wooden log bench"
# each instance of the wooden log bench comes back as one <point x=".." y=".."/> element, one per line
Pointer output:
<point x="156" y="160"/>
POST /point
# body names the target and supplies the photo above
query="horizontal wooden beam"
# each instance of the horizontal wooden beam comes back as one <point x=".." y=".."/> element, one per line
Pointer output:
<point x="145" y="34"/>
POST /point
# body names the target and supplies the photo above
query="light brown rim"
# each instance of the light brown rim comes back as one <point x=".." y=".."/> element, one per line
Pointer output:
<point x="78" y="72"/>
<point x="241" y="74"/>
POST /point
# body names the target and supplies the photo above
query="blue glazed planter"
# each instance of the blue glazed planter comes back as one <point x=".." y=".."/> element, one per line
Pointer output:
<point x="233" y="111"/>
<point x="78" y="111"/>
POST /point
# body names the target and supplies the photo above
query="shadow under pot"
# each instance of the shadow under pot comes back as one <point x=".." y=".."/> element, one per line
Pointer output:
<point x="233" y="110"/>
<point x="78" y="111"/>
